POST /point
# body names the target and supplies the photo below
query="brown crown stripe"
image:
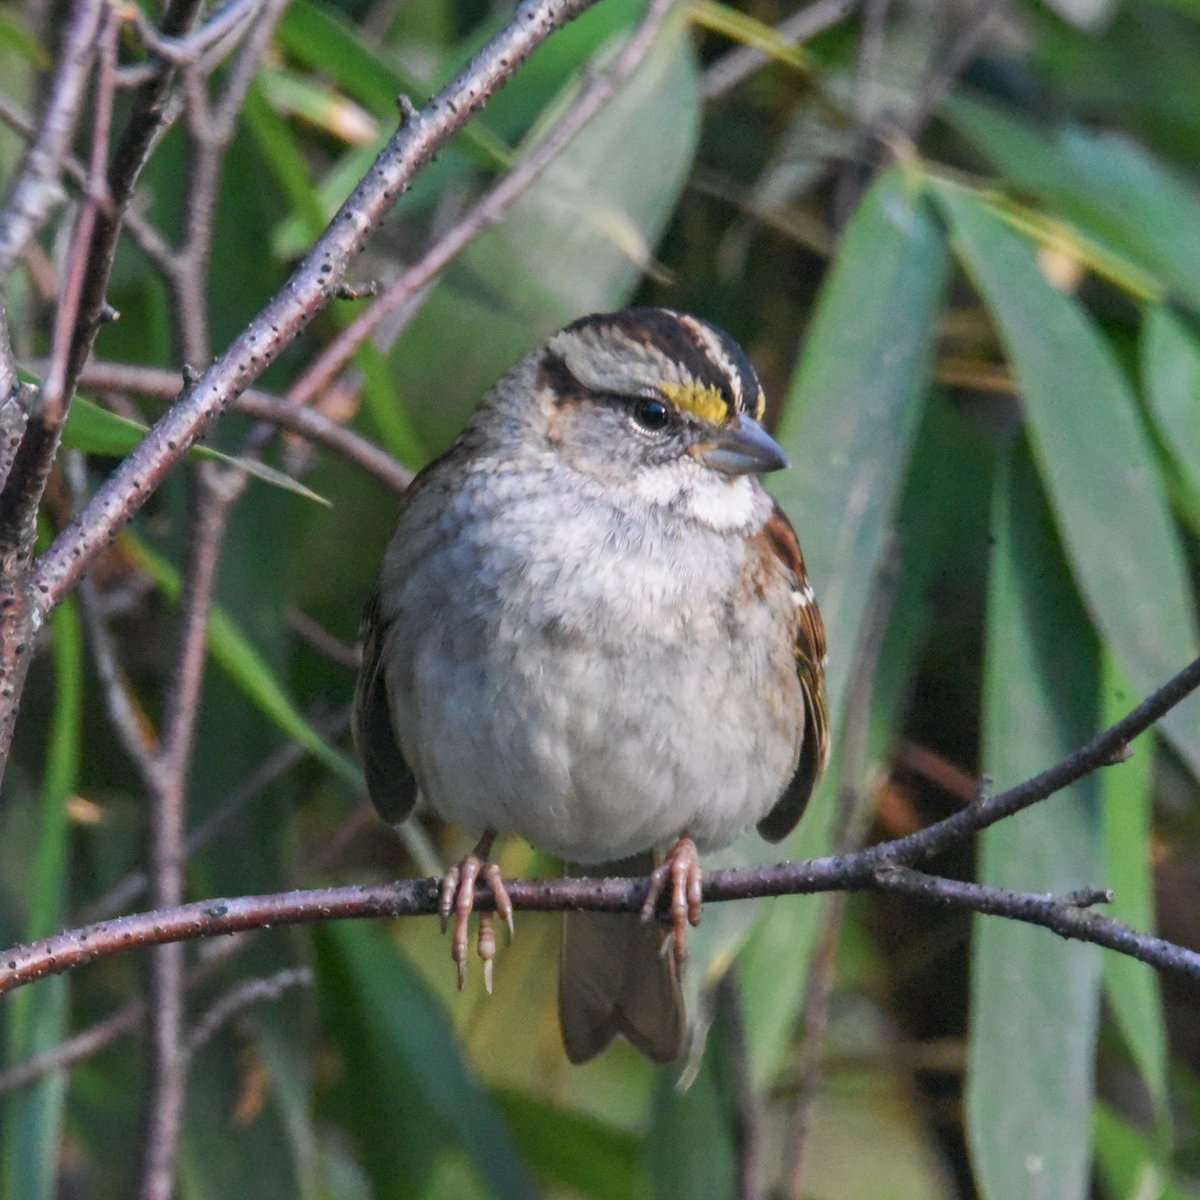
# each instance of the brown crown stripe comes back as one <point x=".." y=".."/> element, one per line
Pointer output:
<point x="674" y="335"/>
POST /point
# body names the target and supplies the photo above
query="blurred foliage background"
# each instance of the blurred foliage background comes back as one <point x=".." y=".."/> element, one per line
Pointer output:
<point x="961" y="242"/>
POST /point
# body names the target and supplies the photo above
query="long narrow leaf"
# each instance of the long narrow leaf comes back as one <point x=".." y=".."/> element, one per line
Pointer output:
<point x="1034" y="998"/>
<point x="1095" y="459"/>
<point x="37" y="1021"/>
<point x="238" y="658"/>
<point x="413" y="1096"/>
<point x="848" y="424"/>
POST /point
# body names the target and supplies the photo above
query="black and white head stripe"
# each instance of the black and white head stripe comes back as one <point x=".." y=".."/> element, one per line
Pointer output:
<point x="644" y="351"/>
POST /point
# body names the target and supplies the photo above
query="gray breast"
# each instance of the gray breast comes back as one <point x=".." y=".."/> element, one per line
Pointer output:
<point x="585" y="678"/>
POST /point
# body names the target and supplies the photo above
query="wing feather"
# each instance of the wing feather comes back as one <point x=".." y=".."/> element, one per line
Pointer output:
<point x="810" y="668"/>
<point x="390" y="783"/>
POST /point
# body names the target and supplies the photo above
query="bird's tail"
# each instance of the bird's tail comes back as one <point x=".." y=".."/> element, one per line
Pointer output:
<point x="614" y="979"/>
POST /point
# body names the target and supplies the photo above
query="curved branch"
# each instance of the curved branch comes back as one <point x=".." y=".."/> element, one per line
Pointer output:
<point x="880" y="868"/>
<point x="419" y="897"/>
<point x="308" y="290"/>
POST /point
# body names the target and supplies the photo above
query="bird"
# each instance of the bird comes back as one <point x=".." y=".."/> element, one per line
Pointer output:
<point x="593" y="629"/>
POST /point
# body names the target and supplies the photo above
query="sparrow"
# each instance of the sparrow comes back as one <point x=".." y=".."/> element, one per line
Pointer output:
<point x="593" y="629"/>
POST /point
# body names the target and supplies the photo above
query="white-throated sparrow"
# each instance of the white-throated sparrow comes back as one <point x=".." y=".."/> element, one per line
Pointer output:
<point x="593" y="629"/>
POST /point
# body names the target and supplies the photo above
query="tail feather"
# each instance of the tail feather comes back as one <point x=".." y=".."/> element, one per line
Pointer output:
<point x="614" y="980"/>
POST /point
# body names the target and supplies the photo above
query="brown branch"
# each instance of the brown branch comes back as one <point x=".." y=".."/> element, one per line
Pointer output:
<point x="70" y="949"/>
<point x="880" y="868"/>
<point x="741" y="62"/>
<point x="310" y="424"/>
<point x="305" y="294"/>
<point x="37" y="188"/>
<point x="486" y="212"/>
<point x="240" y="997"/>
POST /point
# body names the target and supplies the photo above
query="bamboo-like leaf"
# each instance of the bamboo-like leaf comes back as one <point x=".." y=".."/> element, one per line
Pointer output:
<point x="1170" y="370"/>
<point x="1096" y="461"/>
<point x="554" y="255"/>
<point x="412" y="1095"/>
<point x="238" y="658"/>
<point x="574" y="1152"/>
<point x="95" y="430"/>
<point x="1127" y="798"/>
<point x="1105" y="183"/>
<point x="287" y="163"/>
<point x="37" y="1021"/>
<point x="327" y="42"/>
<point x="749" y="31"/>
<point x="848" y="424"/>
<point x="1128" y="1163"/>
<point x="1034" y="998"/>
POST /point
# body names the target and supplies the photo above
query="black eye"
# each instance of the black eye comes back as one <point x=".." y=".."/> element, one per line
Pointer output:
<point x="652" y="414"/>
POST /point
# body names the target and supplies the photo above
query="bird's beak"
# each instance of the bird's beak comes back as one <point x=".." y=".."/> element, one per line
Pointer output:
<point x="743" y="447"/>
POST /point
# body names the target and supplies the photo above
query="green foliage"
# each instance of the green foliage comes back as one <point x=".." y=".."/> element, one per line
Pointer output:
<point x="981" y="341"/>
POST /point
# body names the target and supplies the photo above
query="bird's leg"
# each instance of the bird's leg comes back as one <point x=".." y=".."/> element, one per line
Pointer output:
<point x="458" y="896"/>
<point x="682" y="867"/>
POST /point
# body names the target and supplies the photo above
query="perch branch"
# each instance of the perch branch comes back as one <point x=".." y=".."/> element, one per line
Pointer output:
<point x="299" y="300"/>
<point x="883" y="867"/>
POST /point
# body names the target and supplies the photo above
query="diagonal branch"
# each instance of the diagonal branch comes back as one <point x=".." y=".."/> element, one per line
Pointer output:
<point x="301" y="298"/>
<point x="883" y="868"/>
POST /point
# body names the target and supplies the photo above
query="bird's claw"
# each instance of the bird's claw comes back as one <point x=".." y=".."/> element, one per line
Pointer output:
<point x="458" y="897"/>
<point x="681" y="867"/>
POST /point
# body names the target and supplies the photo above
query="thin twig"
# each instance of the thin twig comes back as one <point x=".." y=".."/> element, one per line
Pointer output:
<point x="235" y="802"/>
<point x="167" y="1063"/>
<point x="240" y="997"/>
<point x="741" y="62"/>
<point x="37" y="188"/>
<point x="297" y="302"/>
<point x="23" y="964"/>
<point x="486" y="212"/>
<point x="880" y="868"/>
<point x="309" y="423"/>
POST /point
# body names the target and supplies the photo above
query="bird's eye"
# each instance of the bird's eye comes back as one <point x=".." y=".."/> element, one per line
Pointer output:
<point x="652" y="414"/>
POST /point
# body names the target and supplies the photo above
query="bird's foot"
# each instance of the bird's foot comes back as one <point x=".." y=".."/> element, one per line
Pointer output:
<point x="458" y="897"/>
<point x="681" y="867"/>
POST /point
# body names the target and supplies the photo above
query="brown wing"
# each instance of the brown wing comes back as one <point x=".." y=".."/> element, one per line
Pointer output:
<point x="810" y="666"/>
<point x="390" y="783"/>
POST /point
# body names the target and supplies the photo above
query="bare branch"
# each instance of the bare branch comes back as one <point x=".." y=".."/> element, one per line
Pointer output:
<point x="741" y="62"/>
<point x="308" y="290"/>
<point x="419" y="897"/>
<point x="486" y="212"/>
<point x="37" y="187"/>
<point x="275" y="410"/>
<point x="241" y="997"/>
<point x="880" y="868"/>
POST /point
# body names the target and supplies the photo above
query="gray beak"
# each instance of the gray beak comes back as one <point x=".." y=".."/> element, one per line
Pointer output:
<point x="743" y="447"/>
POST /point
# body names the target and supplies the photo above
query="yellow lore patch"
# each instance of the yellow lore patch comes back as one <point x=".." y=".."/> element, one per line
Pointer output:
<point x="707" y="403"/>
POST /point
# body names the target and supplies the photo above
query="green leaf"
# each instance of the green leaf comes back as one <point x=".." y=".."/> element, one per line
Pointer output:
<point x="856" y="400"/>
<point x="283" y="156"/>
<point x="1127" y="803"/>
<point x="95" y="430"/>
<point x="38" y="1020"/>
<point x="412" y="1096"/>
<point x="1095" y="459"/>
<point x="848" y="425"/>
<point x="14" y="36"/>
<point x="328" y="43"/>
<point x="1128" y="1164"/>
<point x="238" y="658"/>
<point x="1034" y="998"/>
<point x="574" y="1152"/>
<point x="690" y="1147"/>
<point x="1105" y="183"/>
<point x="1170" y="368"/>
<point x="576" y="241"/>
